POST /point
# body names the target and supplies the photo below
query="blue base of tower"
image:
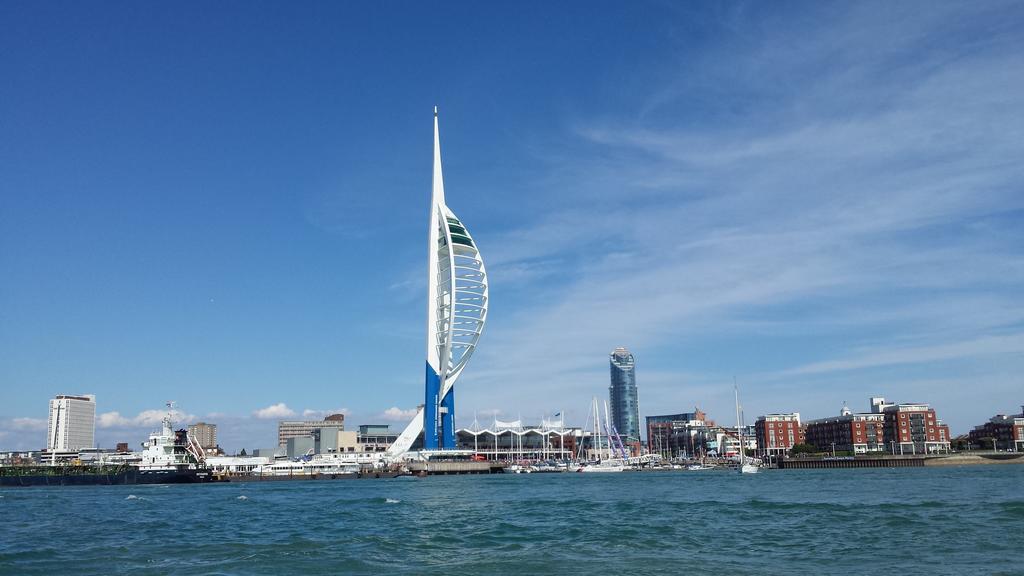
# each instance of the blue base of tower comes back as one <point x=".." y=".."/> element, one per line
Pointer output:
<point x="448" y="420"/>
<point x="430" y="405"/>
<point x="438" y="435"/>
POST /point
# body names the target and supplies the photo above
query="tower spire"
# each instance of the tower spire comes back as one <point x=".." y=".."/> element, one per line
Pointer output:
<point x="438" y="192"/>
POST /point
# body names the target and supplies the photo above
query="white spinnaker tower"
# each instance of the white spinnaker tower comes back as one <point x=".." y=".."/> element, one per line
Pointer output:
<point x="456" y="314"/>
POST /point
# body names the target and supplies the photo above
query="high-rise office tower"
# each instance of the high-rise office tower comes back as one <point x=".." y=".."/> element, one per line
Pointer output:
<point x="622" y="394"/>
<point x="72" y="423"/>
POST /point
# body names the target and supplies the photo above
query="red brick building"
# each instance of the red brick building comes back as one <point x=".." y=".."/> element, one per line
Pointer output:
<point x="914" y="429"/>
<point x="1007" y="431"/>
<point x="854" y="433"/>
<point x="777" y="433"/>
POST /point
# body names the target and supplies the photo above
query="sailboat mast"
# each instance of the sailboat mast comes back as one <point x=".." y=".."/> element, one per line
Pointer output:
<point x="581" y="444"/>
<point x="608" y="429"/>
<point x="739" y="431"/>
<point x="743" y="426"/>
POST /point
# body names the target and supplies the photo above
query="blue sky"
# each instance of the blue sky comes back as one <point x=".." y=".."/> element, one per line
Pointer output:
<point x="226" y="207"/>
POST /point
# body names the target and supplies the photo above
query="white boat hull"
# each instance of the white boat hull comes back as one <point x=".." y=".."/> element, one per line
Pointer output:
<point x="600" y="468"/>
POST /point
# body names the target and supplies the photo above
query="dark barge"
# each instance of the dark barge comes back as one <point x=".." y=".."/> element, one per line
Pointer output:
<point x="99" y="475"/>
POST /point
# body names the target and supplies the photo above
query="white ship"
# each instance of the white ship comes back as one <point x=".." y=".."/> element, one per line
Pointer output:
<point x="311" y="468"/>
<point x="171" y="456"/>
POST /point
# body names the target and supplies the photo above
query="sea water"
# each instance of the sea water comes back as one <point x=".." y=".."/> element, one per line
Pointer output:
<point x="967" y="520"/>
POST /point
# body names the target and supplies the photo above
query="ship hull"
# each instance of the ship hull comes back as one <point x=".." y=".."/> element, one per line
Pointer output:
<point x="126" y="477"/>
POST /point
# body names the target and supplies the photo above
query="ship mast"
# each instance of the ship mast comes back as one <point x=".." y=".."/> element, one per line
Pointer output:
<point x="739" y="430"/>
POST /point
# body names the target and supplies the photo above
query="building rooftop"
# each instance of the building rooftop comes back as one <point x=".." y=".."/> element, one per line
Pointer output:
<point x="847" y="418"/>
<point x="779" y="416"/>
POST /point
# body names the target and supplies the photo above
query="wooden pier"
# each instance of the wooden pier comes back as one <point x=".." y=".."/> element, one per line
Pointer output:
<point x="850" y="462"/>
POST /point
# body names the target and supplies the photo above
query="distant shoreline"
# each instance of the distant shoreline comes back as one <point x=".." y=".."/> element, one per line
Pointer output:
<point x="904" y="461"/>
<point x="972" y="459"/>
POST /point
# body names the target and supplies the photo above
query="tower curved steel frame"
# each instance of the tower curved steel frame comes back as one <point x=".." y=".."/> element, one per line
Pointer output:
<point x="456" y="314"/>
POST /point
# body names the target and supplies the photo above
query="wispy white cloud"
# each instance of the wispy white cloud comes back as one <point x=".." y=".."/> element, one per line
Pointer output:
<point x="396" y="414"/>
<point x="112" y="420"/>
<point x="27" y="424"/>
<point x="144" y="419"/>
<point x="279" y="410"/>
<point x="873" y="202"/>
<point x="890" y="356"/>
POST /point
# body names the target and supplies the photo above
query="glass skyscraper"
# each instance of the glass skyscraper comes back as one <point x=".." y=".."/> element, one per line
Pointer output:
<point x="622" y="394"/>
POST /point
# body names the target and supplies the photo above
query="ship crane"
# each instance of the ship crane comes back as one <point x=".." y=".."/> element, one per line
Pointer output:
<point x="192" y="446"/>
<point x="194" y="449"/>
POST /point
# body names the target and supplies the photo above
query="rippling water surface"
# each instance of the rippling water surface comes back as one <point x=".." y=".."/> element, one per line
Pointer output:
<point x="914" y="521"/>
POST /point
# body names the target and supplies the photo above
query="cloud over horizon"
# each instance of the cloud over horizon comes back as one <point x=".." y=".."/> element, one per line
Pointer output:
<point x="279" y="410"/>
<point x="396" y="414"/>
<point x="146" y="418"/>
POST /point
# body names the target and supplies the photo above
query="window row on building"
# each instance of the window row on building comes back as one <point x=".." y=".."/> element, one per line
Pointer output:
<point x="911" y="428"/>
<point x="1002" y="431"/>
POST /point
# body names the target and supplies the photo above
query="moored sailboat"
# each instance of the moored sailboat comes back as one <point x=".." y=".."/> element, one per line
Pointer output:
<point x="743" y="466"/>
<point x="617" y="452"/>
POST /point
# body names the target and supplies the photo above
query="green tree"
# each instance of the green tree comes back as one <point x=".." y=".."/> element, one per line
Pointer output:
<point x="802" y="449"/>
